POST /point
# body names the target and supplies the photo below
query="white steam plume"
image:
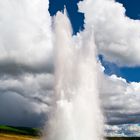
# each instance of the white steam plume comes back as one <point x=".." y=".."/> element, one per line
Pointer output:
<point x="76" y="111"/>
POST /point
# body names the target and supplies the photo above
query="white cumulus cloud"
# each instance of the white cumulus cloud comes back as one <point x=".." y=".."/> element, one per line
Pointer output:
<point x="120" y="100"/>
<point x="117" y="37"/>
<point x="26" y="62"/>
<point x="25" y="36"/>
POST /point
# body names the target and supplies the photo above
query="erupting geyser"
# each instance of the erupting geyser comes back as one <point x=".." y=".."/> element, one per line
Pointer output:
<point x="75" y="114"/>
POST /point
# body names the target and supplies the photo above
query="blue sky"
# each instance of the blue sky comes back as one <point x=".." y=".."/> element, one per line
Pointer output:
<point x="131" y="74"/>
<point x="77" y="19"/>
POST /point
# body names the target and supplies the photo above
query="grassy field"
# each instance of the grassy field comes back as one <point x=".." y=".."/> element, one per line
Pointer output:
<point x="18" y="133"/>
<point x="17" y="137"/>
<point x="19" y="130"/>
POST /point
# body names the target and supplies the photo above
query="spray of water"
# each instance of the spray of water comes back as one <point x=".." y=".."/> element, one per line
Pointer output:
<point x="75" y="114"/>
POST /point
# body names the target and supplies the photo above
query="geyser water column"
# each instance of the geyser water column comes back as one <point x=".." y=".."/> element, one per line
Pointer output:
<point x="75" y="113"/>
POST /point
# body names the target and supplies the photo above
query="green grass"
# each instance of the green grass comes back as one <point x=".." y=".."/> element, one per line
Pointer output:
<point x="19" y="130"/>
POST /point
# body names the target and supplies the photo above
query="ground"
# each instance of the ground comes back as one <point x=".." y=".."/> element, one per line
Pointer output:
<point x="18" y="133"/>
<point x="16" y="137"/>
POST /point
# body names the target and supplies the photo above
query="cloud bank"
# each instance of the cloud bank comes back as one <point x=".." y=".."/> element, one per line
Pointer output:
<point x="120" y="100"/>
<point x="25" y="37"/>
<point x="117" y="36"/>
<point x="26" y="62"/>
<point x="125" y="130"/>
